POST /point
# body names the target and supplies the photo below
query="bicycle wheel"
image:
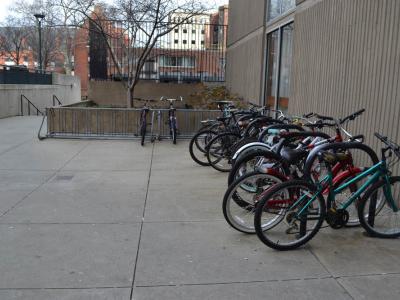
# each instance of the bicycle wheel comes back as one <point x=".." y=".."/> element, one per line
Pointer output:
<point x="143" y="133"/>
<point x="219" y="151"/>
<point x="197" y="146"/>
<point x="248" y="163"/>
<point x="241" y="199"/>
<point x="301" y="209"/>
<point x="172" y="129"/>
<point x="376" y="212"/>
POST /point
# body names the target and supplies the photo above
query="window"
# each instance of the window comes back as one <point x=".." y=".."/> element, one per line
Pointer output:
<point x="184" y="42"/>
<point x="202" y="31"/>
<point x="184" y="30"/>
<point x="279" y="7"/>
<point x="194" y="31"/>
<point x="176" y="41"/>
<point x="176" y="30"/>
<point x="202" y="42"/>
<point x="279" y="61"/>
<point x="193" y="42"/>
<point x="178" y="61"/>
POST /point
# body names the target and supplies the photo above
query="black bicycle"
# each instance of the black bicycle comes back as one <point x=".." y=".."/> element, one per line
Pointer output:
<point x="143" y="119"/>
<point x="172" y="120"/>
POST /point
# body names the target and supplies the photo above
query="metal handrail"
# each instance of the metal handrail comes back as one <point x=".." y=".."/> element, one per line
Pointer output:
<point x="54" y="100"/>
<point x="29" y="106"/>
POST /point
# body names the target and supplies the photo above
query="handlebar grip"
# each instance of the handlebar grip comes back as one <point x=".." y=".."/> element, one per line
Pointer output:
<point x="353" y="116"/>
<point x="309" y="115"/>
<point x="381" y="137"/>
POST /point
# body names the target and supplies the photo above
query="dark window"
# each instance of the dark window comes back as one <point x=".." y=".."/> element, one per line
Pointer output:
<point x="202" y="31"/>
<point x="202" y="42"/>
<point x="184" y="30"/>
<point x="184" y="42"/>
<point x="193" y="42"/>
<point x="176" y="30"/>
<point x="176" y="41"/>
<point x="279" y="57"/>
<point x="194" y="31"/>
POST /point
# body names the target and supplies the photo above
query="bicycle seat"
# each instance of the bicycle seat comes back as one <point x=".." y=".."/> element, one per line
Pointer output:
<point x="333" y="158"/>
<point x="293" y="155"/>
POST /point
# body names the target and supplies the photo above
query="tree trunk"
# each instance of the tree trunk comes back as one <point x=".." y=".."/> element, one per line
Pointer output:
<point x="129" y="98"/>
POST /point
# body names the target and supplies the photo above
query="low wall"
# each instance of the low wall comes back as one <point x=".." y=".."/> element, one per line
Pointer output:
<point x="114" y="93"/>
<point x="66" y="88"/>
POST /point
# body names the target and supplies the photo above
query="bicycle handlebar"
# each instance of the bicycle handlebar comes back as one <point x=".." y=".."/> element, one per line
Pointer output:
<point x="352" y="116"/>
<point x="325" y="118"/>
<point x="171" y="99"/>
<point x="392" y="145"/>
<point x="309" y="115"/>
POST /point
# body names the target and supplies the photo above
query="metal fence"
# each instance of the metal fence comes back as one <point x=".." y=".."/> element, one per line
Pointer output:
<point x="23" y="75"/>
<point x="189" y="52"/>
<point x="104" y="123"/>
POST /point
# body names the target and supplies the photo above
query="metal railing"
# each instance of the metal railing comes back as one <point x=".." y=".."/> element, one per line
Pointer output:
<point x="29" y="105"/>
<point x="120" y="123"/>
<point x="190" y="52"/>
<point x="55" y="99"/>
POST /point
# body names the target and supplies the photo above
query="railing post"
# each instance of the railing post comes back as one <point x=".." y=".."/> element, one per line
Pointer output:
<point x="22" y="107"/>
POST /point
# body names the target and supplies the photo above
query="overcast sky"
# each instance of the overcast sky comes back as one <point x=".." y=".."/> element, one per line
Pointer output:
<point x="6" y="4"/>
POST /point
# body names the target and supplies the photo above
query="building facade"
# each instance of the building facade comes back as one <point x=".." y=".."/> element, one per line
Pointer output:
<point x="326" y="56"/>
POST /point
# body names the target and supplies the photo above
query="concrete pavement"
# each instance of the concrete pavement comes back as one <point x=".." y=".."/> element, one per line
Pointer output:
<point x="112" y="220"/>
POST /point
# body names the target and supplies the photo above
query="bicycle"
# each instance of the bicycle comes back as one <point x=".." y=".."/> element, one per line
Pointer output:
<point x="143" y="119"/>
<point x="172" y="121"/>
<point x="300" y="206"/>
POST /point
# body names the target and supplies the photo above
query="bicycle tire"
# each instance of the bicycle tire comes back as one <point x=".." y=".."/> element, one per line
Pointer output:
<point x="194" y="143"/>
<point x="238" y="212"/>
<point x="227" y="139"/>
<point x="233" y="174"/>
<point x="364" y="218"/>
<point x="143" y="133"/>
<point x="266" y="201"/>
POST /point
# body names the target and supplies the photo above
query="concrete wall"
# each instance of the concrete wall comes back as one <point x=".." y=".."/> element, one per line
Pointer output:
<point x="113" y="93"/>
<point x="66" y="88"/>
<point x="346" y="57"/>
<point x="245" y="53"/>
<point x="244" y="18"/>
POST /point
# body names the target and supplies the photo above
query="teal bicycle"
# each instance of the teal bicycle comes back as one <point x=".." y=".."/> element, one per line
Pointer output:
<point x="301" y="207"/>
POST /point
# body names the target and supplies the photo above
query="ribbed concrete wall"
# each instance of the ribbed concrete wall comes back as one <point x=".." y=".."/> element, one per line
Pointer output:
<point x="245" y="48"/>
<point x="244" y="17"/>
<point x="244" y="67"/>
<point x="347" y="57"/>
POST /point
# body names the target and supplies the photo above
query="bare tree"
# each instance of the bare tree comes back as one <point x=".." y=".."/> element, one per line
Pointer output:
<point x="132" y="15"/>
<point x="13" y="39"/>
<point x="57" y="35"/>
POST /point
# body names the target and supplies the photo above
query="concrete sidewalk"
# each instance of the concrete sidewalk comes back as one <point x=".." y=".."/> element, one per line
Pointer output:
<point x="112" y="220"/>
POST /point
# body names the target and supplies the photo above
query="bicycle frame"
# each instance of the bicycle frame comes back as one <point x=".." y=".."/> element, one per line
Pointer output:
<point x="377" y="171"/>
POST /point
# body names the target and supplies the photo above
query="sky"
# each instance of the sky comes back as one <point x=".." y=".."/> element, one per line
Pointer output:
<point x="6" y="4"/>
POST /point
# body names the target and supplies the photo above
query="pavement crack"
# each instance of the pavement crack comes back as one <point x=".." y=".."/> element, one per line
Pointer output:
<point x="142" y="222"/>
<point x="331" y="275"/>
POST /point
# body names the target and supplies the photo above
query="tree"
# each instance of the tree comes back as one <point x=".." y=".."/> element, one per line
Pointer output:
<point x="131" y="15"/>
<point x="13" y="39"/>
<point x="57" y="35"/>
